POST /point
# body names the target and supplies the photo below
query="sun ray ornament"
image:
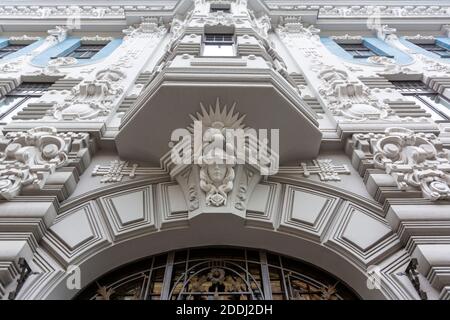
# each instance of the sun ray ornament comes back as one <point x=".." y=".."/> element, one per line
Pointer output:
<point x="228" y="118"/>
<point x="219" y="160"/>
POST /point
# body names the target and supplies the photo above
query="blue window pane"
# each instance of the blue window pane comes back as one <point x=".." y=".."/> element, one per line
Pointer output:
<point x="5" y="51"/>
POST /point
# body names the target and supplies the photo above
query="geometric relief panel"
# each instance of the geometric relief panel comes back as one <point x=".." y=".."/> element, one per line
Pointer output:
<point x="129" y="212"/>
<point x="263" y="205"/>
<point x="357" y="232"/>
<point x="364" y="231"/>
<point x="76" y="231"/>
<point x="306" y="212"/>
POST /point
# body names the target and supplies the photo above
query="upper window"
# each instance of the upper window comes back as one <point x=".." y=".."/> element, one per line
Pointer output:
<point x="218" y="45"/>
<point x="430" y="100"/>
<point x="436" y="49"/>
<point x="25" y="93"/>
<point x="224" y="7"/>
<point x="359" y="50"/>
<point x="11" y="48"/>
<point x="85" y="51"/>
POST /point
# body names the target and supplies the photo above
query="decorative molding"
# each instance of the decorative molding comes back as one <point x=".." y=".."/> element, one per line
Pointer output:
<point x="385" y="61"/>
<point x="216" y="174"/>
<point x="91" y="99"/>
<point x="293" y="25"/>
<point x="350" y="98"/>
<point x="418" y="38"/>
<point x="116" y="170"/>
<point x="84" y="12"/>
<point x="147" y="27"/>
<point x="96" y="39"/>
<point x="433" y="65"/>
<point x="90" y="237"/>
<point x="362" y="11"/>
<point x="111" y="74"/>
<point x="29" y="158"/>
<point x="324" y="168"/>
<point x="446" y="29"/>
<point x="23" y="39"/>
<point x="385" y="33"/>
<point x="309" y="223"/>
<point x="62" y="62"/>
<point x="57" y="35"/>
<point x="262" y="26"/>
<point x="345" y="234"/>
<point x="346" y="37"/>
<point x="14" y="66"/>
<point x="129" y="212"/>
<point x="415" y="161"/>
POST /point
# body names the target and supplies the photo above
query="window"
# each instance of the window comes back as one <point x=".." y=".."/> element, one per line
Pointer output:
<point x="85" y="51"/>
<point x="359" y="50"/>
<point x="435" y="48"/>
<point x="11" y="48"/>
<point x="25" y="93"/>
<point x="430" y="100"/>
<point x="217" y="274"/>
<point x="218" y="45"/>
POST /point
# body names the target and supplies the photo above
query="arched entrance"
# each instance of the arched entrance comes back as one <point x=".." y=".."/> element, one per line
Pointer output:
<point x="218" y="273"/>
<point x="97" y="234"/>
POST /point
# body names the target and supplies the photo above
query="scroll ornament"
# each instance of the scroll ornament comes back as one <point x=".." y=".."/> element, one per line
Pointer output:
<point x="29" y="158"/>
<point x="414" y="160"/>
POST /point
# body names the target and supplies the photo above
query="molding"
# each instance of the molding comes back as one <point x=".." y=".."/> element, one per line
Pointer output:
<point x="129" y="212"/>
<point x="29" y="159"/>
<point x="91" y="235"/>
<point x="413" y="162"/>
<point x="340" y="238"/>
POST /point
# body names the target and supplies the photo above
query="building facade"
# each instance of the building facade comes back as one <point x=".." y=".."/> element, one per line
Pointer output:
<point x="232" y="149"/>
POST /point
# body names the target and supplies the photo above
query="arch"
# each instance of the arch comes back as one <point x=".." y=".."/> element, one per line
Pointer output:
<point x="217" y="273"/>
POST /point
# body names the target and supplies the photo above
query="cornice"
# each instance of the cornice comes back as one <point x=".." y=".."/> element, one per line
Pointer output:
<point x="120" y="9"/>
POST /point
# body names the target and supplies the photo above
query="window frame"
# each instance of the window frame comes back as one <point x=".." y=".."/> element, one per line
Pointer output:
<point x="434" y="48"/>
<point x="360" y="47"/>
<point x="82" y="48"/>
<point x="6" y="49"/>
<point x="207" y="41"/>
<point x="418" y="90"/>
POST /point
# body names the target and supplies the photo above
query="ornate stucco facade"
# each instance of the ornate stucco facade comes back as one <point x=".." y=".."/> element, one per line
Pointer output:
<point x="356" y="181"/>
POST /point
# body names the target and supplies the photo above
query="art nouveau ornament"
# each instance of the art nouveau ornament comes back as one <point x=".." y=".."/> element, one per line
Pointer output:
<point x="147" y="27"/>
<point x="110" y="74"/>
<point x="91" y="98"/>
<point x="63" y="62"/>
<point x="262" y="25"/>
<point x="12" y="66"/>
<point x="58" y="34"/>
<point x="292" y="25"/>
<point x="218" y="174"/>
<point x="217" y="177"/>
<point x="218" y="158"/>
<point x="349" y="98"/>
<point x="414" y="160"/>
